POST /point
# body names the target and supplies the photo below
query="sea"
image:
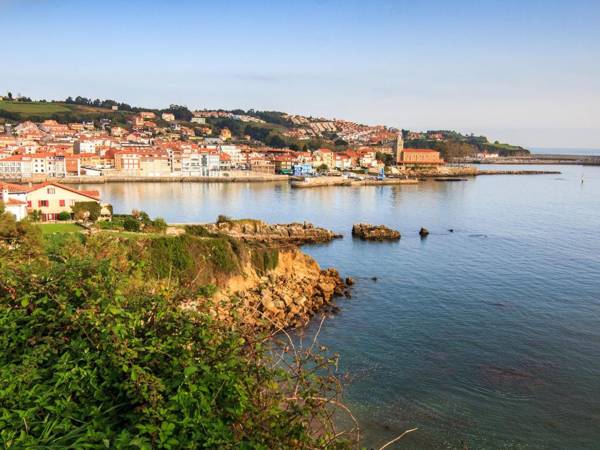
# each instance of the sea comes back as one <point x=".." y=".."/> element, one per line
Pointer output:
<point x="483" y="335"/>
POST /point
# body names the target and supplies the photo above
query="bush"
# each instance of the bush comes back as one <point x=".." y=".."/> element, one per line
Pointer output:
<point x="86" y="211"/>
<point x="159" y="225"/>
<point x="131" y="224"/>
<point x="64" y="216"/>
<point x="223" y="218"/>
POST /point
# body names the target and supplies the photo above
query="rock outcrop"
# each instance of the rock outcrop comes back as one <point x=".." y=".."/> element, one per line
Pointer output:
<point x="370" y="232"/>
<point x="286" y="297"/>
<point x="258" y="231"/>
<point x="423" y="232"/>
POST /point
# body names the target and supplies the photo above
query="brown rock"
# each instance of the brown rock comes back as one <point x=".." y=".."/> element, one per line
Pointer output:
<point x="368" y="232"/>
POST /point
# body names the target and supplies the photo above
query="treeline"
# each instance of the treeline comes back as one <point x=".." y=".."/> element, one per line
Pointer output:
<point x="117" y="118"/>
<point x="97" y="103"/>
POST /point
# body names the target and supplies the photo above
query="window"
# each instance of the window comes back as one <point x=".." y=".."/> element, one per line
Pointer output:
<point x="29" y="203"/>
<point x="50" y="190"/>
<point x="42" y="203"/>
<point x="61" y="203"/>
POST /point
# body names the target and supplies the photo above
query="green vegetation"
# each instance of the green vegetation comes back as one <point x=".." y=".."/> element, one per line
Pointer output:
<point x="86" y="211"/>
<point x="62" y="112"/>
<point x="32" y="108"/>
<point x="456" y="145"/>
<point x="49" y="228"/>
<point x="97" y="351"/>
<point x="131" y="224"/>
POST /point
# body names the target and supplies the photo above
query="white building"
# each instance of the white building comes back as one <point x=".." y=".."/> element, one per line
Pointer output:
<point x="14" y="198"/>
<point x="235" y="154"/>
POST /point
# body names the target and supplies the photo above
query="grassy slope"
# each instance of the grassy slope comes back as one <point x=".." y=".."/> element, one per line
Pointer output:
<point x="39" y="111"/>
<point x="49" y="228"/>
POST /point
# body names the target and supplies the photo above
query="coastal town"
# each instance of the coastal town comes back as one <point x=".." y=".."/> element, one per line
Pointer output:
<point x="47" y="146"/>
<point x="50" y="150"/>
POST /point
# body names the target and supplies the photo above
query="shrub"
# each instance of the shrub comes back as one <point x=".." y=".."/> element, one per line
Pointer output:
<point x="86" y="211"/>
<point x="131" y="224"/>
<point x="221" y="218"/>
<point x="159" y="225"/>
<point x="64" y="216"/>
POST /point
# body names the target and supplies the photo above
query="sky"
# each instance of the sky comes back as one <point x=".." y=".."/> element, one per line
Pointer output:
<point x="525" y="72"/>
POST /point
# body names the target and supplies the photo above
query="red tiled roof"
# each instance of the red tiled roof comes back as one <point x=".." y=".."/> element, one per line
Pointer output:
<point x="12" y="201"/>
<point x="92" y="194"/>
<point x="13" y="187"/>
<point x="420" y="150"/>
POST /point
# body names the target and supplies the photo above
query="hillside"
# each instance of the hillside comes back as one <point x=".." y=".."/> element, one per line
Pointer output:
<point x="272" y="128"/>
<point x="62" y="112"/>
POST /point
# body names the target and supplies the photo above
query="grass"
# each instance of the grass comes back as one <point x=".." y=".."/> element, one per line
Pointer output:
<point x="33" y="107"/>
<point x="51" y="228"/>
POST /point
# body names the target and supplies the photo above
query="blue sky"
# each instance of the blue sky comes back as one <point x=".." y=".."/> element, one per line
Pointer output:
<point x="526" y="72"/>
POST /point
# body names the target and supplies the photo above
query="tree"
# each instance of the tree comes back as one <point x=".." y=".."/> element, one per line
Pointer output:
<point x="385" y="158"/>
<point x="323" y="168"/>
<point x="10" y="96"/>
<point x="180" y="112"/>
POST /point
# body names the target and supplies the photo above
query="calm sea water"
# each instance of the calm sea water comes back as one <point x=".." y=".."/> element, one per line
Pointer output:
<point x="487" y="336"/>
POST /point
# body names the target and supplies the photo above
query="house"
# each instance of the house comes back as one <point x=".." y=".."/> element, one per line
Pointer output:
<point x="147" y="115"/>
<point x="168" y="117"/>
<point x="324" y="156"/>
<point x="342" y="161"/>
<point x="419" y="156"/>
<point x="225" y="134"/>
<point x="283" y="165"/>
<point x="224" y="161"/>
<point x="50" y="199"/>
<point x="14" y="198"/>
<point x="234" y="153"/>
<point x="261" y="165"/>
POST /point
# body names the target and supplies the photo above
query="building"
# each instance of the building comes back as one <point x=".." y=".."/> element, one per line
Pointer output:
<point x="234" y="153"/>
<point x="399" y="148"/>
<point x="419" y="156"/>
<point x="303" y="169"/>
<point x="225" y="134"/>
<point x="324" y="156"/>
<point x="168" y="117"/>
<point x="283" y="165"/>
<point x="14" y="198"/>
<point x="50" y="199"/>
<point x="261" y="165"/>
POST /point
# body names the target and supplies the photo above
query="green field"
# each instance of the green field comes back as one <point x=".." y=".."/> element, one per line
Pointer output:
<point x="50" y="228"/>
<point x="34" y="107"/>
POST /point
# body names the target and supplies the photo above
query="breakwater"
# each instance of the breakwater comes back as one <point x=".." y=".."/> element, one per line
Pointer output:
<point x="341" y="181"/>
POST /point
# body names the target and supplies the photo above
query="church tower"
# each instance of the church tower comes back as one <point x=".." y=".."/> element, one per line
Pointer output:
<point x="399" y="148"/>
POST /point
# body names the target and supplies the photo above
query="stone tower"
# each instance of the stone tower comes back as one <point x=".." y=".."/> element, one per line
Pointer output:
<point x="399" y="147"/>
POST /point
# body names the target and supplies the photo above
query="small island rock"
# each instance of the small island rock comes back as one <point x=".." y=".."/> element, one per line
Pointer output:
<point x="368" y="232"/>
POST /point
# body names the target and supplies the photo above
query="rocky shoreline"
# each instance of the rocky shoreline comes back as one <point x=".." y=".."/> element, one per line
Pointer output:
<point x="258" y="231"/>
<point x="287" y="296"/>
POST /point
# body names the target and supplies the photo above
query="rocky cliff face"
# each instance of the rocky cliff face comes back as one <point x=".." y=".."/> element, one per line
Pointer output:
<point x="284" y="297"/>
<point x="258" y="231"/>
